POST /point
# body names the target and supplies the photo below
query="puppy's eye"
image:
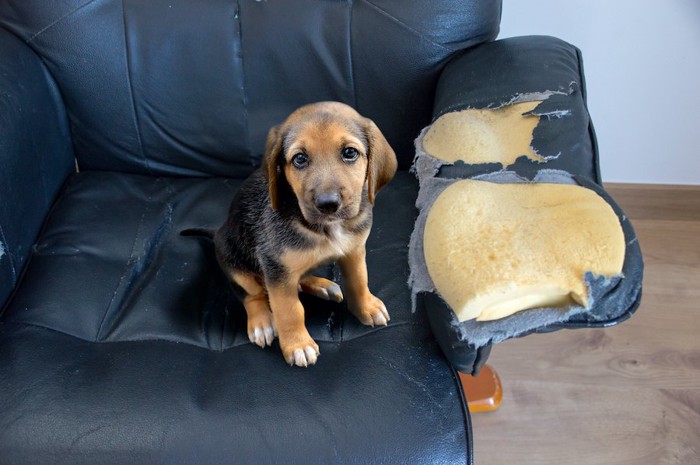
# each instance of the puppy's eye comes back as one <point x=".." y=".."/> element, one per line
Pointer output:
<point x="350" y="154"/>
<point x="300" y="160"/>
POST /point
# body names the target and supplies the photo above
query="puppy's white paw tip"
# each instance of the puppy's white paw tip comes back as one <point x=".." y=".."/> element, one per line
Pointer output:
<point x="311" y="355"/>
<point x="300" y="358"/>
<point x="304" y="357"/>
<point x="379" y="320"/>
<point x="269" y="335"/>
<point x="262" y="337"/>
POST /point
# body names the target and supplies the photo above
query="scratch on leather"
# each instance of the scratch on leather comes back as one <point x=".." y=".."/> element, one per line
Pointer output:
<point x="13" y="270"/>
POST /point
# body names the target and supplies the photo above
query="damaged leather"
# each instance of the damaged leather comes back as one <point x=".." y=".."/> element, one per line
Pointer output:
<point x="491" y="76"/>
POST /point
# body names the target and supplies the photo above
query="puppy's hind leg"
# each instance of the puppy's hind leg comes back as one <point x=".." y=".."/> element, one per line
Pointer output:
<point x="321" y="287"/>
<point x="261" y="330"/>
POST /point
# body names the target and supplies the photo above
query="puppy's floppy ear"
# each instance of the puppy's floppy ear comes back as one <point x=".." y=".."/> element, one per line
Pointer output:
<point x="270" y="162"/>
<point x="381" y="160"/>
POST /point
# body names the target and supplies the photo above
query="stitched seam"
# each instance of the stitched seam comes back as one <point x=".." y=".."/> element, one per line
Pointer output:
<point x="70" y="13"/>
<point x="223" y="328"/>
<point x="13" y="268"/>
<point x="407" y="27"/>
<point x="129" y="264"/>
<point x="351" y="55"/>
<point x="371" y="330"/>
<point x="121" y="341"/>
<point x="243" y="81"/>
<point x="40" y="326"/>
<point x="225" y="298"/>
<point x="134" y="113"/>
<point x="54" y="85"/>
<point x="245" y="342"/>
<point x="591" y="128"/>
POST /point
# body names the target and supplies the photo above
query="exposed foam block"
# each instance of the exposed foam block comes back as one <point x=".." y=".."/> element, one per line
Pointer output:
<point x="484" y="135"/>
<point x="496" y="249"/>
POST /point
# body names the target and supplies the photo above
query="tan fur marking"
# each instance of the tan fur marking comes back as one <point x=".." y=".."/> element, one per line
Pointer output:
<point x="361" y="302"/>
<point x="321" y="287"/>
<point x="251" y="284"/>
<point x="299" y="262"/>
<point x="326" y="171"/>
<point x="289" y="320"/>
<point x="382" y="160"/>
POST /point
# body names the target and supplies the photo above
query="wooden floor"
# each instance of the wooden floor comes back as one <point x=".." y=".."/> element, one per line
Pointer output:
<point x="623" y="395"/>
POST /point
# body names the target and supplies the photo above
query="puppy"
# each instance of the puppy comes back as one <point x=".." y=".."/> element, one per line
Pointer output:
<point x="309" y="204"/>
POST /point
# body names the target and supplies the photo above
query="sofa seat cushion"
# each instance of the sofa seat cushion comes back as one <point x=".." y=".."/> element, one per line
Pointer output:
<point x="124" y="343"/>
<point x="111" y="264"/>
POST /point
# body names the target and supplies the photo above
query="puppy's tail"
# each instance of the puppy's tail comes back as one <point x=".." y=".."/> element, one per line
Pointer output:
<point x="199" y="232"/>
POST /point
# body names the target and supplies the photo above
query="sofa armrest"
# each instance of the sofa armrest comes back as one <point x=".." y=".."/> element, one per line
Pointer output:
<point x="35" y="154"/>
<point x="548" y="73"/>
<point x="522" y="69"/>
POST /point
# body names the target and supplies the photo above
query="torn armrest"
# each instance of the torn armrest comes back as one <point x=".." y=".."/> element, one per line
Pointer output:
<point x="513" y="111"/>
<point x="539" y="81"/>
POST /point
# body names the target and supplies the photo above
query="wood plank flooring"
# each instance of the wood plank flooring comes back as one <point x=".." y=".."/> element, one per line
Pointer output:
<point x="623" y="395"/>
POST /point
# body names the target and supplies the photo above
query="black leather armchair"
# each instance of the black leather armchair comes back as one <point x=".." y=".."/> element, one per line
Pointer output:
<point x="125" y="122"/>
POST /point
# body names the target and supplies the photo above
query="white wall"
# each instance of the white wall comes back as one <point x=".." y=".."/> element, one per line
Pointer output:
<point x="642" y="64"/>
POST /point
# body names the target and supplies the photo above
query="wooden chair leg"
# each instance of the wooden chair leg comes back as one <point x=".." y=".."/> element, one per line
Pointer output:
<point x="484" y="392"/>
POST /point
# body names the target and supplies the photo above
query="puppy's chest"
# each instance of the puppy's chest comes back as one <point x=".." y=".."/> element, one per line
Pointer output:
<point x="333" y="243"/>
<point x="337" y="241"/>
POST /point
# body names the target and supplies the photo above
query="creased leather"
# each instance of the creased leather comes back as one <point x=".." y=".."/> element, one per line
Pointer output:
<point x="122" y="342"/>
<point x="173" y="87"/>
<point x="140" y="346"/>
<point x="35" y="154"/>
<point x="121" y="234"/>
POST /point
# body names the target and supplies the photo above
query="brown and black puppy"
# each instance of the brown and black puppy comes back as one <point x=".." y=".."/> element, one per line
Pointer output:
<point x="309" y="204"/>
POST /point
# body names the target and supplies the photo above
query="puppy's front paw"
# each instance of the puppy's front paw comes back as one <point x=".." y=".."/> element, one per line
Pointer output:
<point x="302" y="353"/>
<point x="371" y="311"/>
<point x="261" y="331"/>
<point x="303" y="357"/>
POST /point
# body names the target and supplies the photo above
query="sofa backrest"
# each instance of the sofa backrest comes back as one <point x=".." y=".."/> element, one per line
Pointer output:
<point x="191" y="87"/>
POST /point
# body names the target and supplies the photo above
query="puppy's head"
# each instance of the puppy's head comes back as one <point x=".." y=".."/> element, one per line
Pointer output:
<point x="329" y="156"/>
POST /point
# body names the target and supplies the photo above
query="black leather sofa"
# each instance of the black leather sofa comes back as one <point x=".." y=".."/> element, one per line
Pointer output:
<point x="123" y="123"/>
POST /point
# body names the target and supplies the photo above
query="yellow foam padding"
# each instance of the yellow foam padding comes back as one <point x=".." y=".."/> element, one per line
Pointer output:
<point x="484" y="136"/>
<point x="496" y="249"/>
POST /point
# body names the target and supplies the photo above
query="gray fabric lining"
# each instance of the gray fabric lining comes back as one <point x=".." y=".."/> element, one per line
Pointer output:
<point x="425" y="166"/>
<point x="482" y="333"/>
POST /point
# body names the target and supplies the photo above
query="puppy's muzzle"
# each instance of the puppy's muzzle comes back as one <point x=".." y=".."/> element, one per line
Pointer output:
<point x="327" y="203"/>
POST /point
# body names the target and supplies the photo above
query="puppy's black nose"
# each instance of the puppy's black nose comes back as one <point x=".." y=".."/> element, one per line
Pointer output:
<point x="327" y="203"/>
